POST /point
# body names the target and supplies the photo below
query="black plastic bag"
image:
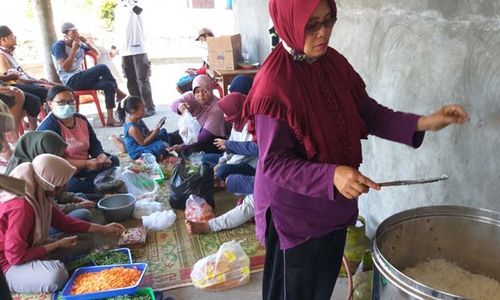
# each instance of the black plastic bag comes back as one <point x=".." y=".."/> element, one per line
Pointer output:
<point x="190" y="179"/>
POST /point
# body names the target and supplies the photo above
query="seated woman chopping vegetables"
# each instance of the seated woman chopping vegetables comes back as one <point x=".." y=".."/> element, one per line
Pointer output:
<point x="24" y="222"/>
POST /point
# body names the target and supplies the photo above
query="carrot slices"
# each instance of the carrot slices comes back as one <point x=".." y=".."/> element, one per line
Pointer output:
<point x="113" y="278"/>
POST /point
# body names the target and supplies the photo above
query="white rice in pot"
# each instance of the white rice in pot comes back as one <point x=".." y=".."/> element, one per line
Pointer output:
<point x="446" y="276"/>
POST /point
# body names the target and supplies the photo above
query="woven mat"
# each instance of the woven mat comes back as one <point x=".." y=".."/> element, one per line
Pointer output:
<point x="171" y="253"/>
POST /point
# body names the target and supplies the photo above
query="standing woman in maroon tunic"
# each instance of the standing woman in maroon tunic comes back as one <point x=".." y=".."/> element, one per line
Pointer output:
<point x="309" y="110"/>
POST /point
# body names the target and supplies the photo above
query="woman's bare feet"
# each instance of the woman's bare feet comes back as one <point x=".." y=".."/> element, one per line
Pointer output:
<point x="119" y="144"/>
<point x="197" y="227"/>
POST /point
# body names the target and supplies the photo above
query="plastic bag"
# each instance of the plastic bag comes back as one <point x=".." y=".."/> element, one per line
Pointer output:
<point x="145" y="207"/>
<point x="159" y="220"/>
<point x="198" y="210"/>
<point x="140" y="184"/>
<point x="196" y="158"/>
<point x="228" y="268"/>
<point x="133" y="236"/>
<point x="189" y="180"/>
<point x="109" y="181"/>
<point x="149" y="161"/>
<point x="189" y="128"/>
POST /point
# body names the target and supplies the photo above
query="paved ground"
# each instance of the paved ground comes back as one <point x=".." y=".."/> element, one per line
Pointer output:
<point x="164" y="77"/>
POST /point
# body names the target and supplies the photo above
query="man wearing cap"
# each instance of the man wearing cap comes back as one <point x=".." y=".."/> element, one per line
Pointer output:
<point x="35" y="90"/>
<point x="68" y="55"/>
<point x="185" y="82"/>
<point x="135" y="62"/>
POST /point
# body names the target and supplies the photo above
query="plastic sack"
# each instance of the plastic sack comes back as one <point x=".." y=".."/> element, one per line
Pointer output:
<point x="228" y="268"/>
<point x="146" y="207"/>
<point x="189" y="128"/>
<point x="188" y="179"/>
<point x="109" y="181"/>
<point x="149" y="161"/>
<point x="198" y="210"/>
<point x="196" y="158"/>
<point x="159" y="220"/>
<point x="140" y="185"/>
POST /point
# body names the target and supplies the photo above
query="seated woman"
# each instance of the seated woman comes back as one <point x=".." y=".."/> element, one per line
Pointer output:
<point x="235" y="217"/>
<point x="24" y="224"/>
<point x="84" y="150"/>
<point x="233" y="161"/>
<point x="185" y="82"/>
<point x="202" y="104"/>
<point x="138" y="138"/>
<point x="32" y="144"/>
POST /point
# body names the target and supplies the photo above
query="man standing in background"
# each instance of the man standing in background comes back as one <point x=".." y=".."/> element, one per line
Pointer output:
<point x="135" y="62"/>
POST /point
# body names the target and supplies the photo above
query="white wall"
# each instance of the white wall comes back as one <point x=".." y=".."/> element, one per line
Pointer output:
<point x="417" y="56"/>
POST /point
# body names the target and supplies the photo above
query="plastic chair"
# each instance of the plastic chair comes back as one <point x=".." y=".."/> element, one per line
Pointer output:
<point x="92" y="93"/>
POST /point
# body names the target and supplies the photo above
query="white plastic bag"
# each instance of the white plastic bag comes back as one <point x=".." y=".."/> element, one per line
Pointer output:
<point x="229" y="267"/>
<point x="198" y="210"/>
<point x="189" y="128"/>
<point x="159" y="220"/>
<point x="140" y="185"/>
<point x="145" y="207"/>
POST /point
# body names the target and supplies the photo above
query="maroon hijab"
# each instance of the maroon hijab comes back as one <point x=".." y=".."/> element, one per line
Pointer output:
<point x="232" y="106"/>
<point x="317" y="100"/>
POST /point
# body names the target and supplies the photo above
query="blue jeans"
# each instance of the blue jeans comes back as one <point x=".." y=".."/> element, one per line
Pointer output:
<point x="228" y="169"/>
<point x="98" y="77"/>
<point x="211" y="159"/>
<point x="83" y="181"/>
<point x="240" y="184"/>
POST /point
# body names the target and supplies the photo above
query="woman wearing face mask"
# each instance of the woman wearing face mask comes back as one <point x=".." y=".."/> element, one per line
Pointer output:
<point x="24" y="224"/>
<point x="84" y="150"/>
<point x="309" y="111"/>
<point x="202" y="104"/>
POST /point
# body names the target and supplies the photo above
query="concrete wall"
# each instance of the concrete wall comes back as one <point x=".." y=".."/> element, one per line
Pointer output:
<point x="417" y="56"/>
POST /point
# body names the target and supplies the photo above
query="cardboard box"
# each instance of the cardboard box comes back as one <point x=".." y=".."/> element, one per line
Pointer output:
<point x="224" y="52"/>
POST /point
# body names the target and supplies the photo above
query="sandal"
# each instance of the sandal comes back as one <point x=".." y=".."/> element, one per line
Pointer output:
<point x="114" y="124"/>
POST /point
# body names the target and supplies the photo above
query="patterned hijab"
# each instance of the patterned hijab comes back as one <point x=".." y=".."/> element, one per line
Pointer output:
<point x="316" y="98"/>
<point x="44" y="174"/>
<point x="32" y="144"/>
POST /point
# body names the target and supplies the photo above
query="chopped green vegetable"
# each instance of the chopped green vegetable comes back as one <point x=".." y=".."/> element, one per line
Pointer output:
<point x="98" y="259"/>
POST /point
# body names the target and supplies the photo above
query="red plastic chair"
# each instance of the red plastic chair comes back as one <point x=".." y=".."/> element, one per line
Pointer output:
<point x="92" y="93"/>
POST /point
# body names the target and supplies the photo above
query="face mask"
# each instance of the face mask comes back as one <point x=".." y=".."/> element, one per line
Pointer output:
<point x="64" y="111"/>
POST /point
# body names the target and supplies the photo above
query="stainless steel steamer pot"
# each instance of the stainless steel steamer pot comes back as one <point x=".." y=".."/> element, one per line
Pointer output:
<point x="469" y="237"/>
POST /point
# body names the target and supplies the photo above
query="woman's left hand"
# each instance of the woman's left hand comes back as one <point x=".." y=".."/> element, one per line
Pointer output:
<point x="113" y="228"/>
<point x="220" y="144"/>
<point x="175" y="148"/>
<point x="449" y="114"/>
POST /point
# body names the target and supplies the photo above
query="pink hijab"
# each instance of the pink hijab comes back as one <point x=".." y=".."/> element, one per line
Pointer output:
<point x="45" y="173"/>
<point x="209" y="115"/>
<point x="318" y="100"/>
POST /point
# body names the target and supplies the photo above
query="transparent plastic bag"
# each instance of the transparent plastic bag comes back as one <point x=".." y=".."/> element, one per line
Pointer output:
<point x="140" y="184"/>
<point x="109" y="181"/>
<point x="198" y="210"/>
<point x="189" y="128"/>
<point x="159" y="220"/>
<point x="145" y="207"/>
<point x="228" y="268"/>
<point x="196" y="158"/>
<point x="149" y="161"/>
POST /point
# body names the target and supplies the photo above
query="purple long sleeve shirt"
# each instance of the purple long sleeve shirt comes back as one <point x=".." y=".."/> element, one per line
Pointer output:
<point x="300" y="193"/>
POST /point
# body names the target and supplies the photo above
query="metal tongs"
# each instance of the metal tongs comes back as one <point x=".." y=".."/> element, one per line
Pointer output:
<point x="410" y="182"/>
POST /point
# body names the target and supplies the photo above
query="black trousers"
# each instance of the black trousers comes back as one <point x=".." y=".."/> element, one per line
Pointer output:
<point x="137" y="70"/>
<point x="306" y="272"/>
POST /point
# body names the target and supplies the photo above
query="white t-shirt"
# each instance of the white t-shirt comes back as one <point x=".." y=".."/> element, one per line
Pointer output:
<point x="133" y="38"/>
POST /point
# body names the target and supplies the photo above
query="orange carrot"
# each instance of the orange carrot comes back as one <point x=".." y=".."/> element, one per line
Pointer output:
<point x="113" y="278"/>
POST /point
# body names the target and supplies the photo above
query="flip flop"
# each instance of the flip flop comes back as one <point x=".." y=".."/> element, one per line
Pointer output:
<point x="115" y="124"/>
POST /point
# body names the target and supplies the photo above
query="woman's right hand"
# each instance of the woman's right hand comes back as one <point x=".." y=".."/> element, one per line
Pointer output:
<point x="96" y="164"/>
<point x="67" y="242"/>
<point x="351" y="183"/>
<point x="183" y="106"/>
